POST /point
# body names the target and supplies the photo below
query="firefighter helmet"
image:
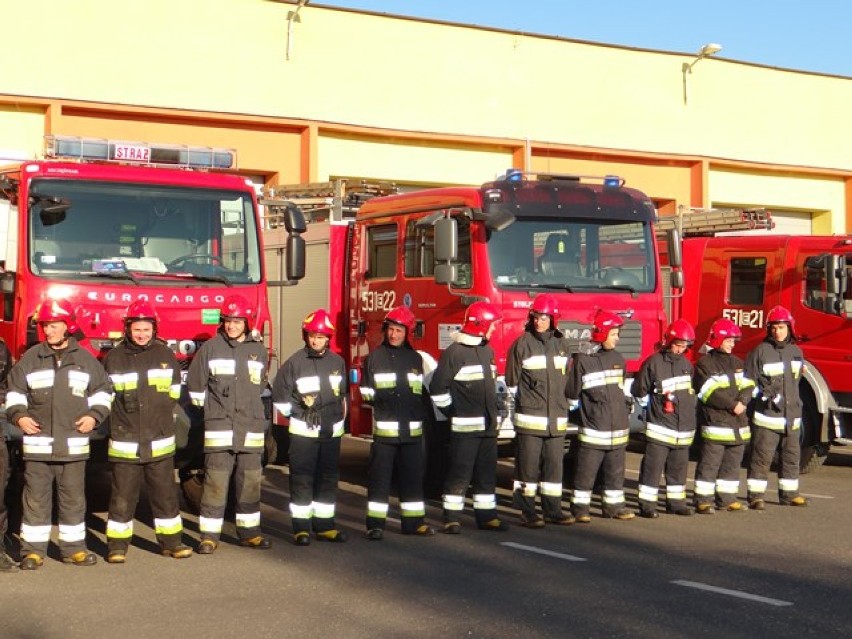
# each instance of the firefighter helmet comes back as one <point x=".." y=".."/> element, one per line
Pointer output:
<point x="546" y="304"/>
<point x="318" y="322"/>
<point x="57" y="311"/>
<point x="141" y="310"/>
<point x="721" y="330"/>
<point x="237" y="307"/>
<point x="403" y="316"/>
<point x="604" y="322"/>
<point x="479" y="317"/>
<point x="680" y="329"/>
<point x="779" y="314"/>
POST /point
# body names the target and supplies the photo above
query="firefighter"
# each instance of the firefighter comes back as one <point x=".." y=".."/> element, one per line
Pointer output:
<point x="392" y="383"/>
<point x="595" y="387"/>
<point x="723" y="394"/>
<point x="227" y="377"/>
<point x="663" y="387"/>
<point x="536" y="372"/>
<point x="463" y="388"/>
<point x="311" y="388"/>
<point x="6" y="563"/>
<point x="776" y="365"/>
<point x="57" y="394"/>
<point x="146" y="386"/>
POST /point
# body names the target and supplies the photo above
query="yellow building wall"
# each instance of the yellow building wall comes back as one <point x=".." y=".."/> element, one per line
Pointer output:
<point x="230" y="56"/>
<point x="409" y="163"/>
<point x="22" y="131"/>
<point x="794" y="193"/>
<point x="441" y="104"/>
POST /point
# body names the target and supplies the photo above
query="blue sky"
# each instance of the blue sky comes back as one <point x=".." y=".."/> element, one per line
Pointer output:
<point x="807" y="35"/>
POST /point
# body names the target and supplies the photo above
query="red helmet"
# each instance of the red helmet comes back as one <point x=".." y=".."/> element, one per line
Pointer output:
<point x="680" y="329"/>
<point x="318" y="322"/>
<point x="479" y="317"/>
<point x="403" y="316"/>
<point x="57" y="311"/>
<point x="141" y="310"/>
<point x="237" y="307"/>
<point x="546" y="304"/>
<point x="604" y="322"/>
<point x="721" y="330"/>
<point x="779" y="314"/>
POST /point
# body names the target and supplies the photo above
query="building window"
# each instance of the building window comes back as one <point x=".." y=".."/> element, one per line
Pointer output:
<point x="747" y="281"/>
<point x="381" y="252"/>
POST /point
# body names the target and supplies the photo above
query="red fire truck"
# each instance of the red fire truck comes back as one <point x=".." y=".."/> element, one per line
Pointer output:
<point x="590" y="242"/>
<point x="742" y="277"/>
<point x="103" y="223"/>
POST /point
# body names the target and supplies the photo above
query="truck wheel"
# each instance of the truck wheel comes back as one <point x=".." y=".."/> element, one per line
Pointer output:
<point x="814" y="452"/>
<point x="276" y="445"/>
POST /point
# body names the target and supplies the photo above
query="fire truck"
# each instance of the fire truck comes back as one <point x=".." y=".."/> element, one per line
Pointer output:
<point x="590" y="242"/>
<point x="104" y="223"/>
<point x="743" y="276"/>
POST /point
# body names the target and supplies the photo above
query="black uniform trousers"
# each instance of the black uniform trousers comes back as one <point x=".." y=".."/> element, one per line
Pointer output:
<point x="675" y="461"/>
<point x="764" y="443"/>
<point x="589" y="461"/>
<point x="314" y="472"/>
<point x="408" y="459"/>
<point x="539" y="458"/>
<point x="4" y="478"/>
<point x="159" y="479"/>
<point x="70" y="480"/>
<point x="248" y="474"/>
<point x="718" y="463"/>
<point x="473" y="461"/>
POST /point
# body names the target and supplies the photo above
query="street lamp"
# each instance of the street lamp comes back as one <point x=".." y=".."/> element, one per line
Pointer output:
<point x="706" y="51"/>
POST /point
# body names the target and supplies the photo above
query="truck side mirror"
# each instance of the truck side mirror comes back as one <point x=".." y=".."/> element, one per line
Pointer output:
<point x="295" y="257"/>
<point x="446" y="240"/>
<point x="676" y="280"/>
<point x="294" y="219"/>
<point x="446" y="250"/>
<point x="674" y="248"/>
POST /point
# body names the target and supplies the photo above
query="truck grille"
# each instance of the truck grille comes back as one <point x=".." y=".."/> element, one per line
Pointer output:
<point x="578" y="335"/>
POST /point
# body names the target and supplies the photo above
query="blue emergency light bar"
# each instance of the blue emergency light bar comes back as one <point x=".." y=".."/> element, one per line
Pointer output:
<point x="516" y="175"/>
<point x="142" y="153"/>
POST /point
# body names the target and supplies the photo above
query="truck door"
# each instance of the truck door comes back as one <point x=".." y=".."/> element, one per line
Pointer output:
<point x="752" y="284"/>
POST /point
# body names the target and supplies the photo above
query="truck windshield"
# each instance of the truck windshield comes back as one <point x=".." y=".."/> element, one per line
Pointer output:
<point x="573" y="254"/>
<point x="77" y="228"/>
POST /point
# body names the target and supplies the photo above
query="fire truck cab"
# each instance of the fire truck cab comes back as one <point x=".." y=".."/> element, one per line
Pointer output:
<point x="104" y="223"/>
<point x="589" y="241"/>
<point x="742" y="277"/>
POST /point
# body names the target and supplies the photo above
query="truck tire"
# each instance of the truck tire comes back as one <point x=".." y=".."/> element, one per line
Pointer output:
<point x="814" y="451"/>
<point x="276" y="446"/>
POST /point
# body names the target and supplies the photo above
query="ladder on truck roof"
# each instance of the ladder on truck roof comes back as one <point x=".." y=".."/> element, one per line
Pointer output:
<point x="322" y="201"/>
<point x="695" y="222"/>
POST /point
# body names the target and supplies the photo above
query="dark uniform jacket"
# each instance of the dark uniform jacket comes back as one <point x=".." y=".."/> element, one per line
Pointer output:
<point x="537" y="365"/>
<point x="146" y="387"/>
<point x="227" y="378"/>
<point x="776" y="368"/>
<point x="392" y="382"/>
<point x="310" y="388"/>
<point x="56" y="388"/>
<point x="463" y="388"/>
<point x="666" y="379"/>
<point x="721" y="382"/>
<point x="596" y="381"/>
